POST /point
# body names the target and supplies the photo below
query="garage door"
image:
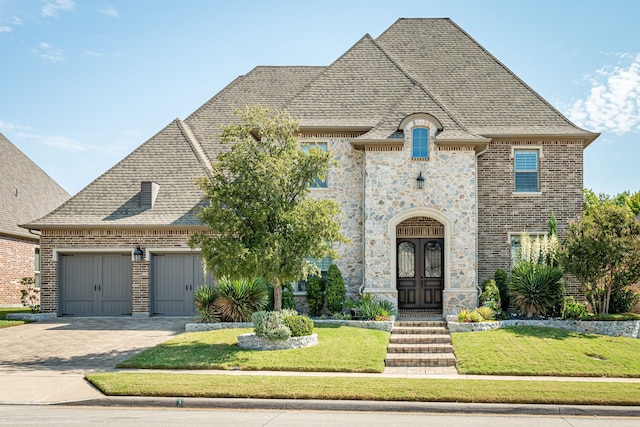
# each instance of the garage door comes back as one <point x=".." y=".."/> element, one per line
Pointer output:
<point x="95" y="284"/>
<point x="174" y="277"/>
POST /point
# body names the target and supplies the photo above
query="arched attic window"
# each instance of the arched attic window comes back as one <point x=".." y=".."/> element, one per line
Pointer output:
<point x="419" y="131"/>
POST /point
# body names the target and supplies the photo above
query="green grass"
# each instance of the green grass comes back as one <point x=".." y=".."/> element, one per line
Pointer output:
<point x="3" y="316"/>
<point x="365" y="388"/>
<point x="528" y="350"/>
<point x="339" y="349"/>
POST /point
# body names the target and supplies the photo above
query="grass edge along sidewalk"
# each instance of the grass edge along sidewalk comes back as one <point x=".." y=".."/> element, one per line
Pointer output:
<point x="365" y="388"/>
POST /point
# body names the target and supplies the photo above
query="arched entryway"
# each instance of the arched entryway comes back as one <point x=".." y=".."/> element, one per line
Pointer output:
<point x="420" y="264"/>
<point x="420" y="260"/>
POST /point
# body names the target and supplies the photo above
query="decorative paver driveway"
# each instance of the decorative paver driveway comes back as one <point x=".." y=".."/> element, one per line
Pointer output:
<point x="82" y="343"/>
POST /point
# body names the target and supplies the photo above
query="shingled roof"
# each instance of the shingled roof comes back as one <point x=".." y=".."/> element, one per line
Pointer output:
<point x="26" y="191"/>
<point x="417" y="65"/>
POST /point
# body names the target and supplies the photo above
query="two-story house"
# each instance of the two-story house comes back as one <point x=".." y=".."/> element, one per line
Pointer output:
<point x="443" y="157"/>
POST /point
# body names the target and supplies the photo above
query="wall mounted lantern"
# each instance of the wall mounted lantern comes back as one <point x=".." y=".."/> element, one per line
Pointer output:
<point x="420" y="181"/>
<point x="137" y="254"/>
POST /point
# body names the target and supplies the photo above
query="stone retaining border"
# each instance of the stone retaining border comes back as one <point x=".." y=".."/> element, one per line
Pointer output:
<point x="254" y="342"/>
<point x="625" y="328"/>
<point x="366" y="324"/>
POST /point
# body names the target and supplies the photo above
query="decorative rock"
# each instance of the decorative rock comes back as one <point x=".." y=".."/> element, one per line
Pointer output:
<point x="627" y="328"/>
<point x="202" y="327"/>
<point x="254" y="342"/>
<point x="32" y="317"/>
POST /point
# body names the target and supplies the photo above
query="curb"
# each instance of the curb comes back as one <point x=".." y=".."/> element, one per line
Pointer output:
<point x="361" y="405"/>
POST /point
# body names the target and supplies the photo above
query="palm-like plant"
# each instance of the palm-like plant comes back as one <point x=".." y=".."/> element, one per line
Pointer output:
<point x="204" y="297"/>
<point x="237" y="300"/>
<point x="535" y="288"/>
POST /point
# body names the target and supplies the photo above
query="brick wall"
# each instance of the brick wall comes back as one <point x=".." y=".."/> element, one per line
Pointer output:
<point x="101" y="239"/>
<point x="16" y="262"/>
<point x="500" y="212"/>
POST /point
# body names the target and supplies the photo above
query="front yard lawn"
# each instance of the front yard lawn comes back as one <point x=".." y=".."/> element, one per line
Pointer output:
<point x="339" y="349"/>
<point x="365" y="388"/>
<point x="521" y="350"/>
<point x="529" y="350"/>
<point x="4" y="323"/>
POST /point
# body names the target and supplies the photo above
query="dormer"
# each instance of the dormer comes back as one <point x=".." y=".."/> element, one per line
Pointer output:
<point x="420" y="130"/>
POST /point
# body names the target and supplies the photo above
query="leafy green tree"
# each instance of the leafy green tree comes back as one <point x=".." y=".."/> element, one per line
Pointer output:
<point x="625" y="199"/>
<point x="603" y="252"/>
<point x="262" y="221"/>
<point x="335" y="291"/>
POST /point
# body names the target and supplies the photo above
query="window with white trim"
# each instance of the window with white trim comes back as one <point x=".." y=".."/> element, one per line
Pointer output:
<point x="516" y="246"/>
<point x="526" y="171"/>
<point x="37" y="268"/>
<point x="420" y="143"/>
<point x="317" y="182"/>
<point x="323" y="266"/>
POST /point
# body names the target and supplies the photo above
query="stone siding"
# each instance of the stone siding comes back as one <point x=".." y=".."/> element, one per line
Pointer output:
<point x="344" y="185"/>
<point x="500" y="212"/>
<point x="17" y="260"/>
<point x="449" y="190"/>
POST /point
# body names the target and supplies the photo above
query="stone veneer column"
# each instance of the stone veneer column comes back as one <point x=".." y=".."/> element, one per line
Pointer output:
<point x="449" y="195"/>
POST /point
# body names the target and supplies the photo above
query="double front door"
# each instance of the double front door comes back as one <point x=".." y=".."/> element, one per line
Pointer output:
<point x="420" y="273"/>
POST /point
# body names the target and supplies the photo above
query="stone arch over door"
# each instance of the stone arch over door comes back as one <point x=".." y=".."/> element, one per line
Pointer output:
<point x="421" y="223"/>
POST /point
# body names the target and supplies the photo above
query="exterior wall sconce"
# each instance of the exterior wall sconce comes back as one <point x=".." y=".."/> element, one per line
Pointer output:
<point x="137" y="254"/>
<point x="420" y="181"/>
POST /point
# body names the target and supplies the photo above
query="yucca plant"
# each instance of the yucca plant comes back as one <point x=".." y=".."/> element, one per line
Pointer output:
<point x="204" y="297"/>
<point x="535" y="288"/>
<point x="237" y="300"/>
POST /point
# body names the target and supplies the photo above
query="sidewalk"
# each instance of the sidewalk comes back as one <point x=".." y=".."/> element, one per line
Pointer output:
<point x="44" y="363"/>
<point x="68" y="387"/>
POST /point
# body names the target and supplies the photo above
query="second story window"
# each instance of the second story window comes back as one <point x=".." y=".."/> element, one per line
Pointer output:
<point x="420" y="142"/>
<point x="526" y="171"/>
<point x="317" y="183"/>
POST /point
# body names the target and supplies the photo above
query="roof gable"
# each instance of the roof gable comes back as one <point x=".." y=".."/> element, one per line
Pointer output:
<point x="476" y="88"/>
<point x="26" y="191"/>
<point x="167" y="159"/>
<point x="355" y="91"/>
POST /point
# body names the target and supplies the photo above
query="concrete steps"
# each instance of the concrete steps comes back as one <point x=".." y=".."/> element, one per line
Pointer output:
<point x="420" y="343"/>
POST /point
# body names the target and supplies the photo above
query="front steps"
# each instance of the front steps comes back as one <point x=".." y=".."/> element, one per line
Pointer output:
<point x="420" y="343"/>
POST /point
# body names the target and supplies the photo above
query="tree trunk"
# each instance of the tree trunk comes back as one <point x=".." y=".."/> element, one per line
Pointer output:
<point x="277" y="296"/>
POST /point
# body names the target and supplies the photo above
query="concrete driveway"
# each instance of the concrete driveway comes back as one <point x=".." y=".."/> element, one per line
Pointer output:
<point x="45" y="362"/>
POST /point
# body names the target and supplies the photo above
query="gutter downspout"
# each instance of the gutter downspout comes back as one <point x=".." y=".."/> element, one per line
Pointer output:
<point x="477" y="284"/>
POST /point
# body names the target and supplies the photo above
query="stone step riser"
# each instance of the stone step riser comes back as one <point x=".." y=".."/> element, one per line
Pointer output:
<point x="395" y="362"/>
<point x="409" y="324"/>
<point x="420" y="339"/>
<point x="415" y="330"/>
<point x="419" y="344"/>
<point x="420" y="348"/>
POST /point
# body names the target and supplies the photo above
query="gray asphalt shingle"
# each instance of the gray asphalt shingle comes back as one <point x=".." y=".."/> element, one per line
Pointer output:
<point x="417" y="65"/>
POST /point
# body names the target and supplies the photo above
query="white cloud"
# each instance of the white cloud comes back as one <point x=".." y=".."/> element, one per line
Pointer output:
<point x="110" y="11"/>
<point x="51" y="8"/>
<point x="16" y="20"/>
<point x="614" y="101"/>
<point x="91" y="53"/>
<point x="5" y="29"/>
<point x="66" y="144"/>
<point x="48" y="53"/>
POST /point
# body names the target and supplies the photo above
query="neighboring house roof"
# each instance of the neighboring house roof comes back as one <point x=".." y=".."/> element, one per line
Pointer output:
<point x="26" y="191"/>
<point x="416" y="66"/>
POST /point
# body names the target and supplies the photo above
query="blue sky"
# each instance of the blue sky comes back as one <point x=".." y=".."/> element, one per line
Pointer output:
<point x="84" y="82"/>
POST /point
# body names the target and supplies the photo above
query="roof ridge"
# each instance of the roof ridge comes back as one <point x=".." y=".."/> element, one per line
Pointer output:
<point x="191" y="138"/>
<point x="514" y="75"/>
<point x="419" y="84"/>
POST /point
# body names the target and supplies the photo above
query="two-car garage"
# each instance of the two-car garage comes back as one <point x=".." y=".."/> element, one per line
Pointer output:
<point x="101" y="284"/>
